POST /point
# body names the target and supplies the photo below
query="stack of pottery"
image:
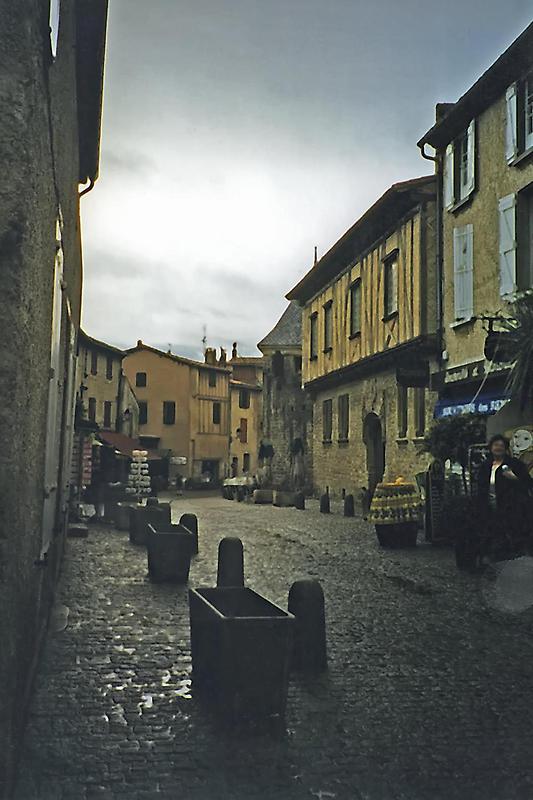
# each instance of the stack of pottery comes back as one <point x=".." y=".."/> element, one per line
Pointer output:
<point x="396" y="511"/>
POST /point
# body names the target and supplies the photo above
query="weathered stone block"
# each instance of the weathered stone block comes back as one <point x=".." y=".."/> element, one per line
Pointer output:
<point x="263" y="496"/>
<point x="284" y="499"/>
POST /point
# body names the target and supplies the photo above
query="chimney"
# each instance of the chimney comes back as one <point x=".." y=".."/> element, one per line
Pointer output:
<point x="210" y="356"/>
<point x="139" y="342"/>
<point x="234" y="350"/>
<point x="223" y="356"/>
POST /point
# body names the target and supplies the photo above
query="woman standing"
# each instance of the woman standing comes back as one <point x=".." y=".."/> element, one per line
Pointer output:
<point x="503" y="492"/>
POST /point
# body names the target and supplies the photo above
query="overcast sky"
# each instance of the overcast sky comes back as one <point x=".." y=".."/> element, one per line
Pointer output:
<point x="239" y="134"/>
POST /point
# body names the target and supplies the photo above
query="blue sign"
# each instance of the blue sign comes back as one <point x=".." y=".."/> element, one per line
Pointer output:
<point x="486" y="403"/>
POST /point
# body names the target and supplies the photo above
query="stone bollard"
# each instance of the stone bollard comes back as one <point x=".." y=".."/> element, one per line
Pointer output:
<point x="349" y="506"/>
<point x="299" y="501"/>
<point x="230" y="562"/>
<point x="324" y="503"/>
<point x="306" y="602"/>
<point x="190" y="521"/>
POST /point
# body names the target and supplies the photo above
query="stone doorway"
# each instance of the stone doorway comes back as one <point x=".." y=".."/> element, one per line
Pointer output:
<point x="375" y="450"/>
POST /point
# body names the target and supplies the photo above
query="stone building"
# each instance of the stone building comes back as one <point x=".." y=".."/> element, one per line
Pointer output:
<point x="103" y="389"/>
<point x="369" y="338"/>
<point x="246" y="387"/>
<point x="287" y="411"/>
<point x="483" y="147"/>
<point x="51" y="69"/>
<point x="184" y="409"/>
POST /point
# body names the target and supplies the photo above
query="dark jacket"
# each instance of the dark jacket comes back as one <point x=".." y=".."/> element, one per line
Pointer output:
<point x="510" y="494"/>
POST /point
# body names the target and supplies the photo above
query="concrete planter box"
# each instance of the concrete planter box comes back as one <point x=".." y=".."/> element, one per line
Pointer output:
<point x="142" y="516"/>
<point x="169" y="548"/>
<point x="263" y="496"/>
<point x="284" y="499"/>
<point x="241" y="648"/>
<point x="122" y="516"/>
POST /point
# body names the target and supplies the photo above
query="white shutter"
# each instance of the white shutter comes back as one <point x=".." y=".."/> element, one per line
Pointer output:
<point x="507" y="207"/>
<point x="511" y="143"/>
<point x="463" y="272"/>
<point x="447" y="178"/>
<point x="471" y="158"/>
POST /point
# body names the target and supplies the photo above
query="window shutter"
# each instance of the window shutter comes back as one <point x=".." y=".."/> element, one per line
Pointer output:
<point x="448" y="178"/>
<point x="507" y="207"/>
<point x="511" y="138"/>
<point x="471" y="157"/>
<point x="463" y="263"/>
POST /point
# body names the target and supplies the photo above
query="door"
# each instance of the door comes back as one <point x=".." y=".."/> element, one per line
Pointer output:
<point x="375" y="450"/>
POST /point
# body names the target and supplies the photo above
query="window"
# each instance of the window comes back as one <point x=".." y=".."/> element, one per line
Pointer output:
<point x="355" y="308"/>
<point x="216" y="413"/>
<point x="420" y="410"/>
<point x="344" y="417"/>
<point x="140" y="379"/>
<point x="109" y="368"/>
<point x="525" y="239"/>
<point x="463" y="273"/>
<point x="246" y="462"/>
<point x="459" y="168"/>
<point x="278" y="365"/>
<point x="391" y="285"/>
<point x="169" y="412"/>
<point x="244" y="398"/>
<point x="212" y="378"/>
<point x="243" y="431"/>
<point x="92" y="409"/>
<point x="313" y="336"/>
<point x="143" y="412"/>
<point x="327" y="420"/>
<point x="402" y="411"/>
<point x="94" y="363"/>
<point x="328" y="326"/>
<point x="519" y="118"/>
<point x="107" y="413"/>
<point x="516" y="242"/>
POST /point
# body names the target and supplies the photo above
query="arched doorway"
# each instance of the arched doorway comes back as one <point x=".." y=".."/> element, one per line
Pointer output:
<point x="375" y="450"/>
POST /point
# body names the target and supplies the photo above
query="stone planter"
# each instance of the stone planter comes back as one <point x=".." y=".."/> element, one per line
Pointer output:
<point x="170" y="548"/>
<point x="122" y="516"/>
<point x="240" y="646"/>
<point x="142" y="516"/>
<point x="263" y="496"/>
<point x="284" y="499"/>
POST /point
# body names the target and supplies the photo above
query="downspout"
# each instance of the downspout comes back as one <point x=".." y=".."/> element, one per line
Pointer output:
<point x="437" y="160"/>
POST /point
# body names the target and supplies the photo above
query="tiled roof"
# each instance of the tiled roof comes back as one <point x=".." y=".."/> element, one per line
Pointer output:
<point x="288" y="330"/>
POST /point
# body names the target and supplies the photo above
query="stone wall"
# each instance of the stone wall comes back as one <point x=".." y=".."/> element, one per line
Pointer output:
<point x="287" y="416"/>
<point x="38" y="148"/>
<point x="344" y="465"/>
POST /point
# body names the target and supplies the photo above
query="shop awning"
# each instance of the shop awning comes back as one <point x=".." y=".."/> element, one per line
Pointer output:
<point x="485" y="403"/>
<point x="125" y="445"/>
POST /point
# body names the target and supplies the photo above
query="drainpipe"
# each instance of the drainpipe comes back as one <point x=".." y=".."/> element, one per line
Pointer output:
<point x="437" y="160"/>
<point x="88" y="188"/>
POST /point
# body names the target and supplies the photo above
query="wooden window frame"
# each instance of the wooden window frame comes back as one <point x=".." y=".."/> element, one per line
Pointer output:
<point x="244" y="398"/>
<point x="391" y="258"/>
<point x="217" y="413"/>
<point x="108" y="413"/>
<point x="169" y="412"/>
<point x="355" y="286"/>
<point x="140" y="383"/>
<point x="328" y="326"/>
<point x="313" y="336"/>
<point x="343" y="416"/>
<point x="143" y="412"/>
<point x="327" y="431"/>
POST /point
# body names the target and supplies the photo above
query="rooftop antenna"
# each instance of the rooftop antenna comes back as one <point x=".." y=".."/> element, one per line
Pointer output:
<point x="316" y="255"/>
<point x="204" y="337"/>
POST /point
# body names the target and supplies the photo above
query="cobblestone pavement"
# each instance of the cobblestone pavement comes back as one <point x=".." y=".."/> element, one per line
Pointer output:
<point x="428" y="695"/>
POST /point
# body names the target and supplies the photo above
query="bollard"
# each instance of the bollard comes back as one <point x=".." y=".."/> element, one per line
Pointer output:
<point x="299" y="501"/>
<point x="306" y="602"/>
<point x="190" y="521"/>
<point x="324" y="503"/>
<point x="349" y="506"/>
<point x="230" y="562"/>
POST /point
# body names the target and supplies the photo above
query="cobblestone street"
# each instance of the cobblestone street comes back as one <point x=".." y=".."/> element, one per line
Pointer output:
<point x="428" y="694"/>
